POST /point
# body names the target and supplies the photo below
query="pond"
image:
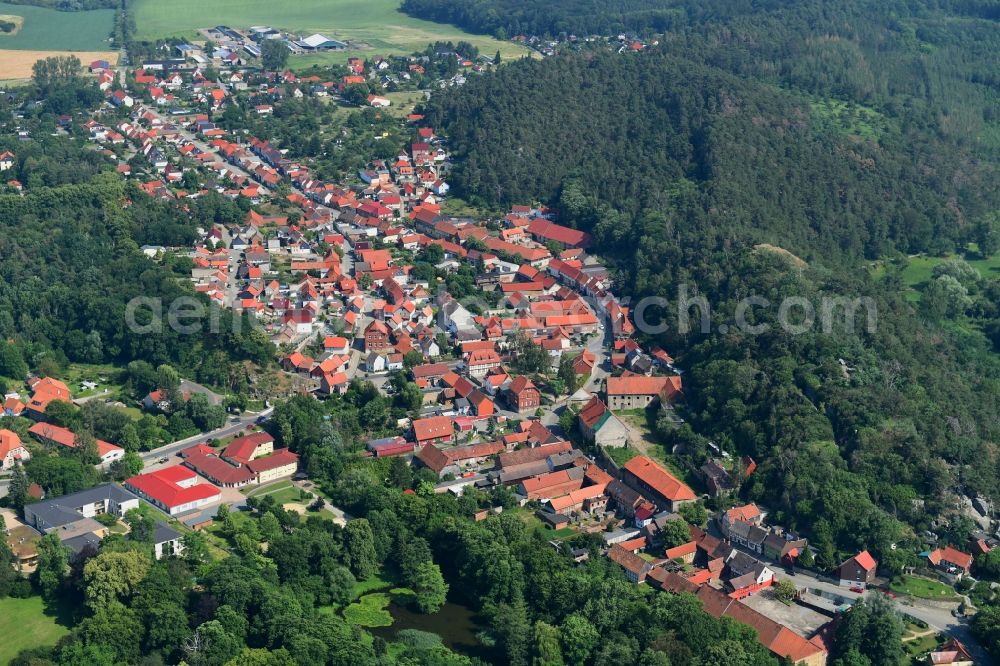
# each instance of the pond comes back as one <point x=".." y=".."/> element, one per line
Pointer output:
<point x="454" y="623"/>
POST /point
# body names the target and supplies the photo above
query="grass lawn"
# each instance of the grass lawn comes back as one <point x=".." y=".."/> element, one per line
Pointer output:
<point x="370" y="611"/>
<point x="639" y="422"/>
<point x="621" y="454"/>
<point x="25" y="623"/>
<point x="268" y="489"/>
<point x="380" y="581"/>
<point x="404" y="101"/>
<point x="918" y="647"/>
<point x="283" y="492"/>
<point x="78" y="372"/>
<point x="377" y="23"/>
<point x="919" y="269"/>
<point x="51" y="30"/>
<point x="923" y="588"/>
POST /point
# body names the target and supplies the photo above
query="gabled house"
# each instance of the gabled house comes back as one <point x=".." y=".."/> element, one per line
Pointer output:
<point x="948" y="559"/>
<point x="600" y="426"/>
<point x="44" y="391"/>
<point x="656" y="483"/>
<point x="523" y="395"/>
<point x="433" y="430"/>
<point x="12" y="450"/>
<point x="951" y="653"/>
<point x="377" y="337"/>
<point x="637" y="392"/>
<point x="636" y="568"/>
<point x="857" y="571"/>
<point x="52" y="434"/>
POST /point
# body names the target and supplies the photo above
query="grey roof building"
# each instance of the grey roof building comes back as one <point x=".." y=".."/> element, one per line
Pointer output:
<point x="56" y="512"/>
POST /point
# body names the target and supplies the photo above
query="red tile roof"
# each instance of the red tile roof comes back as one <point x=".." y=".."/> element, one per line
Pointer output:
<point x="531" y="455"/>
<point x="163" y="486"/>
<point x="659" y="479"/>
<point x="432" y="428"/>
<point x="242" y="448"/>
<point x="638" y="385"/>
<point x="219" y="470"/>
<point x="592" y="412"/>
<point x="66" y="437"/>
<point x="9" y="441"/>
<point x="865" y="560"/>
<point x="280" y="458"/>
<point x="552" y="231"/>
<point x="950" y="555"/>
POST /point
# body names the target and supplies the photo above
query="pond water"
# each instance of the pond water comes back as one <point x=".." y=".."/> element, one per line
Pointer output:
<point x="454" y="623"/>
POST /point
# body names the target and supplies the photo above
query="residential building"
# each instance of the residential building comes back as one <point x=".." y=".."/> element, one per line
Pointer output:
<point x="377" y="337"/>
<point x="167" y="542"/>
<point x="12" y="450"/>
<point x="857" y="571"/>
<point x="748" y="513"/>
<point x="639" y="392"/>
<point x="950" y="560"/>
<point x="482" y="361"/>
<point x="653" y="481"/>
<point x="44" y="391"/>
<point x="523" y="395"/>
<point x="456" y="459"/>
<point x="433" y="430"/>
<point x="600" y="426"/>
<point x="950" y="653"/>
<point x="636" y="568"/>
<point x="52" y="434"/>
<point x="50" y="514"/>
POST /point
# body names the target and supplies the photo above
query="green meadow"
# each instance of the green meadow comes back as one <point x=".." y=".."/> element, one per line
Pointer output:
<point x="50" y="30"/>
<point x="377" y="23"/>
<point x="26" y="623"/>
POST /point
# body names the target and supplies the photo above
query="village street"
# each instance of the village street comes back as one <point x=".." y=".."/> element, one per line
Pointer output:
<point x="234" y="426"/>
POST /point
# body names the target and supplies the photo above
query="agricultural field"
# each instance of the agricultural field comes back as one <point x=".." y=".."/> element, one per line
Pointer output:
<point x="376" y="23"/>
<point x="15" y="64"/>
<point x="49" y="30"/>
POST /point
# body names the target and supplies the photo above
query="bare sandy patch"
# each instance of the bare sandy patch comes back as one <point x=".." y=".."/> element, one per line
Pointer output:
<point x="16" y="64"/>
<point x="18" y="21"/>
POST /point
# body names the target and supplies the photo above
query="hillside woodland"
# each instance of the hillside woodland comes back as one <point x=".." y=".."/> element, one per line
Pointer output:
<point x="682" y="166"/>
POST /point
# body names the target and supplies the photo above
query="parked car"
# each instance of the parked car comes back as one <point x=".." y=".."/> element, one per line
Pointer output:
<point x="857" y="589"/>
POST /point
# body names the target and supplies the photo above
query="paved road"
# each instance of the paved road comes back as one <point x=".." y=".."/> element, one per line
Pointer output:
<point x="936" y="617"/>
<point x="231" y="428"/>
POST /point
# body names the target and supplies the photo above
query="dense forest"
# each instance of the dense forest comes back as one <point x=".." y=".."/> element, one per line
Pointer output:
<point x="507" y="18"/>
<point x="70" y="5"/>
<point x="73" y="264"/>
<point x="686" y="174"/>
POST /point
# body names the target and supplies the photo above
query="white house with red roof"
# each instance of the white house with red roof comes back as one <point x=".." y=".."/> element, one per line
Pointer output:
<point x="53" y="434"/>
<point x="174" y="490"/>
<point x="12" y="450"/>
